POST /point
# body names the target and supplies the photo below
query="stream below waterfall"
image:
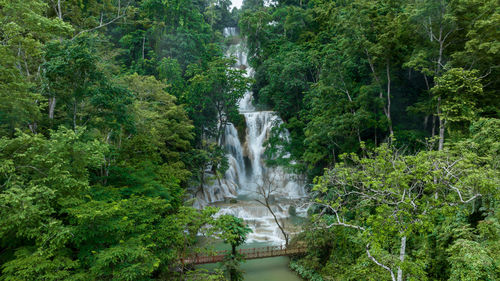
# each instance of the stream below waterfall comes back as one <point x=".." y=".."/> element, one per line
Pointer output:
<point x="268" y="269"/>
<point x="240" y="188"/>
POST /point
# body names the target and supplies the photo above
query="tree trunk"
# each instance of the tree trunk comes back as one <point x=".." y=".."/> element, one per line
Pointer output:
<point x="401" y="257"/>
<point x="441" y="133"/>
<point x="33" y="127"/>
<point x="74" y="116"/>
<point x="232" y="272"/>
<point x="441" y="126"/>
<point x="143" y="43"/>
<point x="441" y="41"/>
<point x="282" y="229"/>
<point x="265" y="202"/>
<point x="433" y="125"/>
<point x="52" y="107"/>
<point x="59" y="10"/>
<point x="388" y="108"/>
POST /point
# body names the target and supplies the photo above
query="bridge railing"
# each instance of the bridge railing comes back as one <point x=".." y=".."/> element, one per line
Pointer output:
<point x="250" y="253"/>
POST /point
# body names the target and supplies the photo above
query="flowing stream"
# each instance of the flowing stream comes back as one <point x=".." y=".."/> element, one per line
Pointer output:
<point x="242" y="185"/>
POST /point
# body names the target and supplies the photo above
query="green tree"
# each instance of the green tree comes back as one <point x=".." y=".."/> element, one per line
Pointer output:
<point x="459" y="91"/>
<point x="213" y="95"/>
<point x="470" y="261"/>
<point x="25" y="29"/>
<point x="233" y="231"/>
<point x="481" y="49"/>
<point x="40" y="180"/>
<point x="439" y="27"/>
<point x="162" y="129"/>
<point x="386" y="194"/>
<point x="86" y="96"/>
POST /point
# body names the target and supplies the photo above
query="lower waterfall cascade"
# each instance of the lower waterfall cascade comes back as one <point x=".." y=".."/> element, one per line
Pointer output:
<point x="237" y="192"/>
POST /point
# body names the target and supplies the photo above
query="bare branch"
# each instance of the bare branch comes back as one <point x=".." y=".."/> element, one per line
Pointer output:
<point x="340" y="222"/>
<point x="101" y="24"/>
<point x="32" y="167"/>
<point x="379" y="263"/>
<point x="460" y="195"/>
<point x="267" y="189"/>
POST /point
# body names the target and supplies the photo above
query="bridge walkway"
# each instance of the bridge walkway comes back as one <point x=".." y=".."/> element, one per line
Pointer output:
<point x="248" y="254"/>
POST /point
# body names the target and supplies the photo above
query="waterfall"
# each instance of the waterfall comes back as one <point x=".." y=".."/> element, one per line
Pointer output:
<point x="247" y="170"/>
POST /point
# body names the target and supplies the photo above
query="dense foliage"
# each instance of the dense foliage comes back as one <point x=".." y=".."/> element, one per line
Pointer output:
<point x="233" y="231"/>
<point x="342" y="72"/>
<point x="103" y="110"/>
<point x="393" y="107"/>
<point x="110" y="110"/>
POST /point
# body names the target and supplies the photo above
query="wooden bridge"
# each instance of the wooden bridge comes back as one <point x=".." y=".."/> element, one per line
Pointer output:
<point x="248" y="254"/>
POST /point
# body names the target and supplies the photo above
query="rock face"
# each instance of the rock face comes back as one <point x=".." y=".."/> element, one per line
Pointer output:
<point x="247" y="170"/>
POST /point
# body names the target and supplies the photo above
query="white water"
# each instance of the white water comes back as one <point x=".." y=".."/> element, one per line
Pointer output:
<point x="238" y="3"/>
<point x="247" y="173"/>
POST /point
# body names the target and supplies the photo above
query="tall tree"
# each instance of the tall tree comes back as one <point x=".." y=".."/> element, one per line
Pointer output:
<point x="213" y="96"/>
<point x="387" y="194"/>
<point x="232" y="230"/>
<point x="24" y="30"/>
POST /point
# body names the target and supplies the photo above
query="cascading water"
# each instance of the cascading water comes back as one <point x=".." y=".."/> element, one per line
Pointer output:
<point x="247" y="173"/>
